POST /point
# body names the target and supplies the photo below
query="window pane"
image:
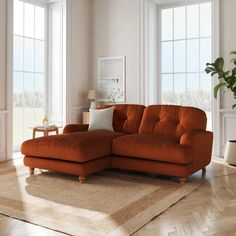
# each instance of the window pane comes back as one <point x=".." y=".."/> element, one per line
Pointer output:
<point x="167" y="82"/>
<point x="39" y="23"/>
<point x="167" y="88"/>
<point x="39" y="56"/>
<point x="179" y="89"/>
<point x="167" y="24"/>
<point x="192" y="82"/>
<point x="192" y="95"/>
<point x="205" y="97"/>
<point x="29" y="68"/>
<point x="193" y="21"/>
<point x="205" y="19"/>
<point x="18" y="121"/>
<point x="190" y="49"/>
<point x="206" y="82"/>
<point x="18" y="17"/>
<point x="18" y="54"/>
<point x="39" y="114"/>
<point x="28" y="20"/>
<point x="18" y="89"/>
<point x="209" y="120"/>
<point x="28" y="89"/>
<point x="193" y="55"/>
<point x="29" y="115"/>
<point x="28" y="54"/>
<point x="39" y="90"/>
<point x="205" y="52"/>
<point x="179" y="23"/>
<point x="179" y="83"/>
<point x="179" y="56"/>
<point x="167" y="57"/>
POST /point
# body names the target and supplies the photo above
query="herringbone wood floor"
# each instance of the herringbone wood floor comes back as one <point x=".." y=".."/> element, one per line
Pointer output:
<point x="209" y="210"/>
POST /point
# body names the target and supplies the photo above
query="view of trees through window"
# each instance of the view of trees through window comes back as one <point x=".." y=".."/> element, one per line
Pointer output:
<point x="186" y="48"/>
<point x="28" y="69"/>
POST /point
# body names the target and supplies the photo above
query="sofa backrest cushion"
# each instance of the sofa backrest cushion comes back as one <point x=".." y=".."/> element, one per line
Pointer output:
<point x="172" y="121"/>
<point x="127" y="117"/>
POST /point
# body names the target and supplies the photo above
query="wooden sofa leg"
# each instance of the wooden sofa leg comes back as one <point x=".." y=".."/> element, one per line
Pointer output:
<point x="81" y="179"/>
<point x="31" y="170"/>
<point x="182" y="180"/>
<point x="204" y="169"/>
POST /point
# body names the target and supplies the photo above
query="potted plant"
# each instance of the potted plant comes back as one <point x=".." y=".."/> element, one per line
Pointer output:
<point x="226" y="78"/>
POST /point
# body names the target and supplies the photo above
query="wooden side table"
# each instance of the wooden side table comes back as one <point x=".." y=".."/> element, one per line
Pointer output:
<point x="45" y="130"/>
<point x="86" y="116"/>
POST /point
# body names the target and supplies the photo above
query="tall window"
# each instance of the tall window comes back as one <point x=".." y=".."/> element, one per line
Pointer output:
<point x="39" y="65"/>
<point x="29" y="72"/>
<point x="186" y="48"/>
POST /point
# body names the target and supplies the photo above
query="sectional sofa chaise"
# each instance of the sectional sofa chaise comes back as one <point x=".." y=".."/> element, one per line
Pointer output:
<point x="162" y="139"/>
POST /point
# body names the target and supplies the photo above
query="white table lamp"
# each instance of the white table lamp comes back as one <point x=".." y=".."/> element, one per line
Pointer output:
<point x="92" y="95"/>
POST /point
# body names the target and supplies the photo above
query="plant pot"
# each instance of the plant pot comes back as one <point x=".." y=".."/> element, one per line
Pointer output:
<point x="230" y="152"/>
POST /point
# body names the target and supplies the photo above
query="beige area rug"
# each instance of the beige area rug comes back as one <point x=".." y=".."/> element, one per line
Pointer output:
<point x="109" y="203"/>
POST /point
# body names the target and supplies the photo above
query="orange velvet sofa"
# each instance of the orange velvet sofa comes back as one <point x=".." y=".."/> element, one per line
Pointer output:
<point x="161" y="139"/>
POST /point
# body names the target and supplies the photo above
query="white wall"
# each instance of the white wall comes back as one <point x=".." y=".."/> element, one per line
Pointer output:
<point x="3" y="47"/>
<point x="80" y="50"/>
<point x="227" y="44"/>
<point x="3" y="72"/>
<point x="80" y="56"/>
<point x="116" y="33"/>
<point x="228" y="40"/>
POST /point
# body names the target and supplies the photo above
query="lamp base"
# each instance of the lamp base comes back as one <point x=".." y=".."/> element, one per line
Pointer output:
<point x="93" y="105"/>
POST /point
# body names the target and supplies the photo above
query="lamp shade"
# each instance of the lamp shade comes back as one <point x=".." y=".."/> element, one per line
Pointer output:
<point x="92" y="94"/>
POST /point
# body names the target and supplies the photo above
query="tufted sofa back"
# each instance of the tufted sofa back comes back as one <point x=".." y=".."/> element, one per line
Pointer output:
<point x="172" y="121"/>
<point x="127" y="117"/>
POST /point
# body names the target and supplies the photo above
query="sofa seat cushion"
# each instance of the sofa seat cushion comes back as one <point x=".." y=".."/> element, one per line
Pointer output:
<point x="76" y="147"/>
<point x="153" y="147"/>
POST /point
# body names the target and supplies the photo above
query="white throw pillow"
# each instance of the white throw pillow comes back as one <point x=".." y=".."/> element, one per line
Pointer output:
<point x="101" y="119"/>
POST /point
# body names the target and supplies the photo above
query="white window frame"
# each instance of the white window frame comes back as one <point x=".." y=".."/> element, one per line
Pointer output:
<point x="144" y="65"/>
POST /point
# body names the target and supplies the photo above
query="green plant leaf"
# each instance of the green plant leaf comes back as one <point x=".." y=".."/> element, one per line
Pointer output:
<point x="208" y="70"/>
<point x="219" y="63"/>
<point x="234" y="106"/>
<point x="226" y="75"/>
<point x="233" y="52"/>
<point x="233" y="60"/>
<point x="209" y="64"/>
<point x="217" y="87"/>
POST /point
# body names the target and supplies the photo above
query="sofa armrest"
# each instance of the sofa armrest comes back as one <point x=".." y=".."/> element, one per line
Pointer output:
<point x="201" y="143"/>
<point x="75" y="128"/>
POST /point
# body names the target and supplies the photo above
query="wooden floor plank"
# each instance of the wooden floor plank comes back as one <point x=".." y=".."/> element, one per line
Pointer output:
<point x="209" y="210"/>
